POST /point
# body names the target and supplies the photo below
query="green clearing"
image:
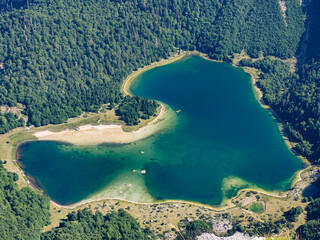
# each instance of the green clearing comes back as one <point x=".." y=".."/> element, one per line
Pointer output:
<point x="256" y="208"/>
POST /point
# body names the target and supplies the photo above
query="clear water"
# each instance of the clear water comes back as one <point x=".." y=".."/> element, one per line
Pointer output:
<point x="223" y="141"/>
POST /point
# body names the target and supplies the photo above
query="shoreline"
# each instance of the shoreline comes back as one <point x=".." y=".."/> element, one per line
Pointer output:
<point x="257" y="93"/>
<point x="125" y="88"/>
<point x="228" y="204"/>
<point x="259" y="97"/>
<point x="93" y="135"/>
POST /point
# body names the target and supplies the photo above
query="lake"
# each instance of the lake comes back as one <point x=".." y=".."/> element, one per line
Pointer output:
<point x="220" y="141"/>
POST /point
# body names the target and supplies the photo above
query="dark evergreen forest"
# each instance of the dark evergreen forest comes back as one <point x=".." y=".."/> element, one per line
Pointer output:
<point x="131" y="109"/>
<point x="59" y="58"/>
<point x="83" y="224"/>
<point x="23" y="212"/>
<point x="295" y="97"/>
<point x="311" y="229"/>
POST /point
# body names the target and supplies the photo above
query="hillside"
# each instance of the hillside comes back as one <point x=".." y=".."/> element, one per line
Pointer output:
<point x="295" y="96"/>
<point x="59" y="58"/>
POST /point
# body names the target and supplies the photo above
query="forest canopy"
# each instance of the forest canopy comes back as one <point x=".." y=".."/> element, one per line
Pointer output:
<point x="311" y="229"/>
<point x="132" y="109"/>
<point x="295" y="96"/>
<point x="84" y="224"/>
<point x="23" y="212"/>
<point x="60" y="58"/>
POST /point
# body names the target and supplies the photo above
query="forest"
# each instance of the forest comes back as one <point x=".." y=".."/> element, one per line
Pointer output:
<point x="311" y="229"/>
<point x="295" y="96"/>
<point x="60" y="58"/>
<point x="10" y="121"/>
<point x="23" y="212"/>
<point x="83" y="224"/>
<point x="131" y="109"/>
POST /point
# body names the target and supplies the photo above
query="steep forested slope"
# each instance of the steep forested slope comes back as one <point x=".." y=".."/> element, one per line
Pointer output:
<point x="302" y="112"/>
<point x="295" y="97"/>
<point x="59" y="58"/>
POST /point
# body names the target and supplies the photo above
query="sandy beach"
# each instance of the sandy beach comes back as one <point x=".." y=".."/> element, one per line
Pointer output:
<point x="92" y="135"/>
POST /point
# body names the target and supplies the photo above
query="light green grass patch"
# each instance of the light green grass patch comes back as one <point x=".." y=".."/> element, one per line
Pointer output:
<point x="256" y="208"/>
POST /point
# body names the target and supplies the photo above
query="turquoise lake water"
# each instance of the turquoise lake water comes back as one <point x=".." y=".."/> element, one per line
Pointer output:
<point x="221" y="141"/>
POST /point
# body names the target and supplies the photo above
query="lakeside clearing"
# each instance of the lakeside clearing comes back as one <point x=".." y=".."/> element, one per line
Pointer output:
<point x="99" y="134"/>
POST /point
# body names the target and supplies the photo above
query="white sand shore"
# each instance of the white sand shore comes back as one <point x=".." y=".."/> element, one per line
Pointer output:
<point x="92" y="135"/>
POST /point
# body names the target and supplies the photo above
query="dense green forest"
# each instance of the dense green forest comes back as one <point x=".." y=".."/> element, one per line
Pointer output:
<point x="23" y="213"/>
<point x="86" y="225"/>
<point x="311" y="229"/>
<point x="59" y="58"/>
<point x="10" y="121"/>
<point x="312" y="53"/>
<point x="132" y="109"/>
<point x="295" y="97"/>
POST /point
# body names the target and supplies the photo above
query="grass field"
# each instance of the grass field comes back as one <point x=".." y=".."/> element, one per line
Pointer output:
<point x="256" y="208"/>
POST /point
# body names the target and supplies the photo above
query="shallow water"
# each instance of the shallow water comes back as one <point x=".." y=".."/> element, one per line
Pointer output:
<point x="221" y="141"/>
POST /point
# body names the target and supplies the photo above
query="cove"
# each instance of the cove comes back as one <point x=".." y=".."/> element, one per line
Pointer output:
<point x="221" y="141"/>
